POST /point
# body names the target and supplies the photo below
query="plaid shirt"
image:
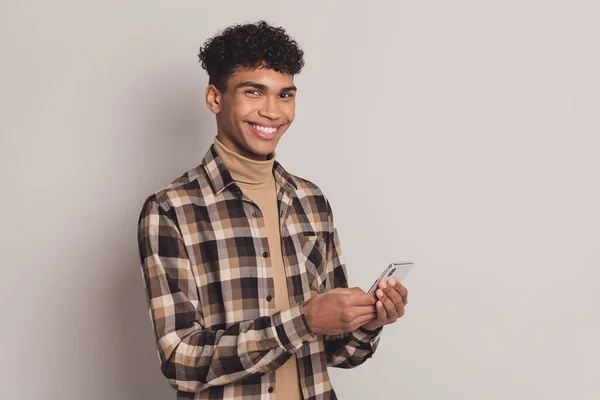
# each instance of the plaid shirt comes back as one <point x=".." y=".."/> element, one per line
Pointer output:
<point x="207" y="274"/>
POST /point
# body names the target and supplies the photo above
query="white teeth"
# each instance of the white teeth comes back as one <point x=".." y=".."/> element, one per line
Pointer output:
<point x="264" y="129"/>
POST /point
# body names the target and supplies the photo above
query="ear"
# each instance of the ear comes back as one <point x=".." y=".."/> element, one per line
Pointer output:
<point x="213" y="99"/>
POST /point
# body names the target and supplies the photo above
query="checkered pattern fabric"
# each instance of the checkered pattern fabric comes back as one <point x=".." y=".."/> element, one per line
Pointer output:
<point x="208" y="281"/>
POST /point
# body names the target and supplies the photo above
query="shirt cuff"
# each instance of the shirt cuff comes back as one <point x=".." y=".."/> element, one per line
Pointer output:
<point x="368" y="337"/>
<point x="292" y="328"/>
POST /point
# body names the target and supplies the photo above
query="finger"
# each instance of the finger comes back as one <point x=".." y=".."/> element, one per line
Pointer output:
<point x="401" y="289"/>
<point x="394" y="295"/>
<point x="363" y="320"/>
<point x="351" y="314"/>
<point x="354" y="313"/>
<point x="369" y="316"/>
<point x="404" y="294"/>
<point x="388" y="304"/>
<point x="362" y="299"/>
<point x="381" y="314"/>
<point x="364" y="310"/>
<point x="396" y="298"/>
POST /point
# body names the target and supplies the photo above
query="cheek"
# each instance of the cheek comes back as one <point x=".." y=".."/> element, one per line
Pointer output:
<point x="290" y="112"/>
<point x="238" y="109"/>
<point x="243" y="112"/>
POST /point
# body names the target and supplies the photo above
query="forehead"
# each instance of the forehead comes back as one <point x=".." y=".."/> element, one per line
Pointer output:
<point x="264" y="76"/>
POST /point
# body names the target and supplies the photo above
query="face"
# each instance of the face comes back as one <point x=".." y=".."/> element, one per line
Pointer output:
<point x="254" y="112"/>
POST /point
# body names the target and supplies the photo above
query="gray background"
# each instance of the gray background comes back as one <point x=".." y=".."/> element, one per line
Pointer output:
<point x="461" y="135"/>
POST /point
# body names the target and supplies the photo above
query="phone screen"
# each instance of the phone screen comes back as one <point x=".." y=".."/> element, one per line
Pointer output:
<point x="397" y="270"/>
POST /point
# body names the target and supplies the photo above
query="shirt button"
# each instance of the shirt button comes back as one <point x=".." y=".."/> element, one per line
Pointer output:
<point x="317" y="243"/>
<point x="305" y="342"/>
<point x="265" y="254"/>
<point x="254" y="214"/>
<point x="271" y="389"/>
<point x="269" y="298"/>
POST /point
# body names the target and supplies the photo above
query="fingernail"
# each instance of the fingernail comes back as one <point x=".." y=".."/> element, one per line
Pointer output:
<point x="379" y="293"/>
<point x="383" y="285"/>
<point x="392" y="282"/>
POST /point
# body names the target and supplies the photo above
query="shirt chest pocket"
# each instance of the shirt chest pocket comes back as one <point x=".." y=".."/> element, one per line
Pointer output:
<point x="313" y="260"/>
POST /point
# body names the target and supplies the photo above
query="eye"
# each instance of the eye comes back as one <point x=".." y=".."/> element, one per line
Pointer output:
<point x="287" y="95"/>
<point x="253" y="92"/>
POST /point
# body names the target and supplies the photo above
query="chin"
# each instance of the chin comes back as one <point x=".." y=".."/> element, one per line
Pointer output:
<point x="262" y="149"/>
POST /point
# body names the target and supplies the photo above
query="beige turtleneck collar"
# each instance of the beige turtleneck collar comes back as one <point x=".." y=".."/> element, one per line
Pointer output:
<point x="245" y="171"/>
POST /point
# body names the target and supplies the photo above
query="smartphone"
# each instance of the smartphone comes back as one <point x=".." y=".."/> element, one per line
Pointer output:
<point x="396" y="270"/>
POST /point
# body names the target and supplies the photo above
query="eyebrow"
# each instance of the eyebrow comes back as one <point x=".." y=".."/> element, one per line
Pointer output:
<point x="264" y="88"/>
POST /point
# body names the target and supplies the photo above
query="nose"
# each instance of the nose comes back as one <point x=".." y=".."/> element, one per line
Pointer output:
<point x="269" y="109"/>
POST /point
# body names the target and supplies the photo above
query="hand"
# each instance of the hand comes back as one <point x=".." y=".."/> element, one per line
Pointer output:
<point x="339" y="311"/>
<point x="392" y="298"/>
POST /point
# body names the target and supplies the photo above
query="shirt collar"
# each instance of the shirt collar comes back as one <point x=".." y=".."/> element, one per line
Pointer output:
<point x="220" y="177"/>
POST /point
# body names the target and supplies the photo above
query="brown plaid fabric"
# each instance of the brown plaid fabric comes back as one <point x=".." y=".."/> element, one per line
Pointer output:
<point x="207" y="275"/>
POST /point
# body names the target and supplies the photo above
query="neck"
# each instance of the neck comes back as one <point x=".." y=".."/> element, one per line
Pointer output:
<point x="240" y="150"/>
<point x="245" y="170"/>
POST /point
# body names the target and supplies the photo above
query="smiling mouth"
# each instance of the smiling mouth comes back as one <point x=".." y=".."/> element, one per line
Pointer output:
<point x="262" y="131"/>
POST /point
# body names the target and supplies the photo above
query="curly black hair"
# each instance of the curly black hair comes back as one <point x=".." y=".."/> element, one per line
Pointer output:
<point x="249" y="46"/>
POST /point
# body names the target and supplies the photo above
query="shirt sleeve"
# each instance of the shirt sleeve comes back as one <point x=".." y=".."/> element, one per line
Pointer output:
<point x="351" y="349"/>
<point x="191" y="356"/>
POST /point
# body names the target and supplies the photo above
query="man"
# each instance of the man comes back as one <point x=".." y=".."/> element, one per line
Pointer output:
<point x="241" y="260"/>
